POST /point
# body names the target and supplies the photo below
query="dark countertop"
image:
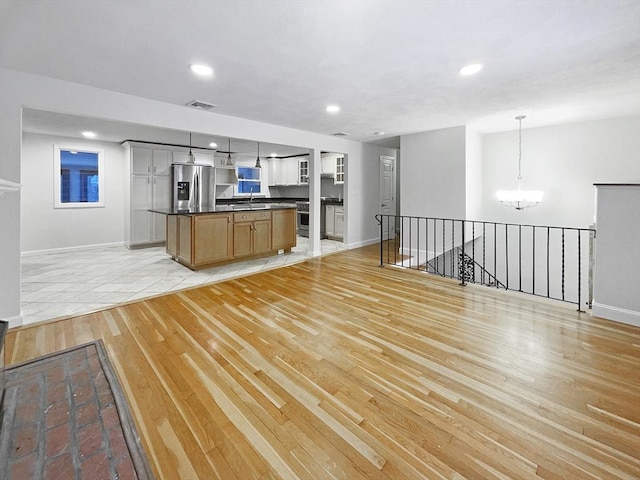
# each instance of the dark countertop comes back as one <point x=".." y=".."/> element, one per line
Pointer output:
<point x="262" y="200"/>
<point x="238" y="207"/>
<point x="234" y="201"/>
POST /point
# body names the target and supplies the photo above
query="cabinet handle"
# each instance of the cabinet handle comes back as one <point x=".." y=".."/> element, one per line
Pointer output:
<point x="154" y="169"/>
<point x="148" y="168"/>
<point x="148" y="180"/>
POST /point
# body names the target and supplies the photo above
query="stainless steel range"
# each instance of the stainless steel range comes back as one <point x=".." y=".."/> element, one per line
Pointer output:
<point x="303" y="218"/>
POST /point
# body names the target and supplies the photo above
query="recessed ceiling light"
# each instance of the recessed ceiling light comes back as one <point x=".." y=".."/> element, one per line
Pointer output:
<point x="378" y="133"/>
<point x="213" y="144"/>
<point x="89" y="134"/>
<point x="273" y="155"/>
<point x="471" y="69"/>
<point x="333" y="108"/>
<point x="200" y="69"/>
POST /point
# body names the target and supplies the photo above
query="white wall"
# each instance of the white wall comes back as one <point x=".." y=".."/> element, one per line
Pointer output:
<point x="473" y="174"/>
<point x="19" y="89"/>
<point x="42" y="226"/>
<point x="433" y="173"/>
<point x="564" y="161"/>
<point x="616" y="291"/>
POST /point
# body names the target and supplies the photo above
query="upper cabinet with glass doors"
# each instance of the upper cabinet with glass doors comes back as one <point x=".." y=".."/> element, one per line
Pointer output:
<point x="339" y="170"/>
<point x="303" y="170"/>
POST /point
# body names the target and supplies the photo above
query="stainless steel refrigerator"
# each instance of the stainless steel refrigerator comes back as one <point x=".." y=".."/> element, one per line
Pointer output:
<point x="194" y="187"/>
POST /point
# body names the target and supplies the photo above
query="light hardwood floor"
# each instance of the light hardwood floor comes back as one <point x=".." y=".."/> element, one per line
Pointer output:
<point x="336" y="368"/>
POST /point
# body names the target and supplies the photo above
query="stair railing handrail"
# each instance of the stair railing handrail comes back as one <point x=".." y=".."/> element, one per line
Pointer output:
<point x="443" y="251"/>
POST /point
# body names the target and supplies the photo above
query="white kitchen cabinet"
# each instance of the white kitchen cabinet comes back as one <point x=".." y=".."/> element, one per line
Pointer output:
<point x="291" y="171"/>
<point x="275" y="172"/>
<point x="334" y="222"/>
<point x="339" y="222"/>
<point x="148" y="191"/>
<point x="141" y="160"/>
<point x="339" y="179"/>
<point x="201" y="157"/>
<point x="285" y="172"/>
<point x="330" y="220"/>
<point x="303" y="172"/>
<point x="140" y="216"/>
<point x="160" y="198"/>
<point x="328" y="163"/>
<point x="161" y="162"/>
<point x="149" y="187"/>
<point x="333" y="164"/>
<point x="150" y="161"/>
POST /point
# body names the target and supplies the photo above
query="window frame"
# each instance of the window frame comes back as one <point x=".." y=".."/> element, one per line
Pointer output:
<point x="57" y="171"/>
<point x="260" y="180"/>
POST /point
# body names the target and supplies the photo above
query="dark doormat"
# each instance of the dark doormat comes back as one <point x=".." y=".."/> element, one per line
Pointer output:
<point x="65" y="417"/>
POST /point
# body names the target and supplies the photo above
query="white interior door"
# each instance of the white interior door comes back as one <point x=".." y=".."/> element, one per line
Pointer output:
<point x="387" y="191"/>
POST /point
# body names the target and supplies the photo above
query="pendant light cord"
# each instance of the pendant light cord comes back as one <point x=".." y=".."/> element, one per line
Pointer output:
<point x="519" y="118"/>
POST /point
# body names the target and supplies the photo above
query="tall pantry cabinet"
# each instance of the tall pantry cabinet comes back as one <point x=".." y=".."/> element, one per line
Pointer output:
<point x="149" y="177"/>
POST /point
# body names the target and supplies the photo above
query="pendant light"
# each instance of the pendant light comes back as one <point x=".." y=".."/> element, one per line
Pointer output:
<point x="190" y="157"/>
<point x="520" y="199"/>
<point x="229" y="162"/>
<point x="258" y="158"/>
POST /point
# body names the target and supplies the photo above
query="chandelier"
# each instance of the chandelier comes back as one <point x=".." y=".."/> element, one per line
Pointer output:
<point x="519" y="199"/>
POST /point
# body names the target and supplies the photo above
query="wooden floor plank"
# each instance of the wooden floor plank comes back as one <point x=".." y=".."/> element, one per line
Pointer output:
<point x="336" y="368"/>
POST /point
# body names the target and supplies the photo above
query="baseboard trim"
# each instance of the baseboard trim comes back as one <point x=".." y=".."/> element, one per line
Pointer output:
<point x="363" y="243"/>
<point x="15" y="321"/>
<point x="622" y="315"/>
<point x="71" y="249"/>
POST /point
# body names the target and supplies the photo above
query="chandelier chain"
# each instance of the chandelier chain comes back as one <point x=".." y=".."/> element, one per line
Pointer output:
<point x="520" y="147"/>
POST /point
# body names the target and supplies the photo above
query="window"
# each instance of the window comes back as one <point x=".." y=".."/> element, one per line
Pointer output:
<point x="78" y="177"/>
<point x="249" y="180"/>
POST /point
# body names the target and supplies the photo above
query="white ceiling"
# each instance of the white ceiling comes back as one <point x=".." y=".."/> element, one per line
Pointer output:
<point x="391" y="65"/>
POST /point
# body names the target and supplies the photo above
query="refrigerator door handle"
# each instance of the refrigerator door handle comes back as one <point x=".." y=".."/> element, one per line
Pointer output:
<point x="197" y="188"/>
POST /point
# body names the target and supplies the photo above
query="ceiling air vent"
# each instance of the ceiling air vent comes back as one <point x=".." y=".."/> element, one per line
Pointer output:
<point x="340" y="134"/>
<point x="201" y="105"/>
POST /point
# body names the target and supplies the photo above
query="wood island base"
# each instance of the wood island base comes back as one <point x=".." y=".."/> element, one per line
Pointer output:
<point x="202" y="240"/>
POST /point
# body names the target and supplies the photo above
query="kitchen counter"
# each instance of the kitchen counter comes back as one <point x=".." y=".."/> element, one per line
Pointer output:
<point x="227" y="233"/>
<point x="231" y="208"/>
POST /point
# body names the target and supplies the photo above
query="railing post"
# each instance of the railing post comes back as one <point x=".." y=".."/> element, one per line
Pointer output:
<point x="461" y="267"/>
<point x="563" y="264"/>
<point x="381" y="237"/>
<point x="579" y="271"/>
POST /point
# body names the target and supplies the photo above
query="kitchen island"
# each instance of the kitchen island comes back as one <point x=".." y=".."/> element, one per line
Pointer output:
<point x="227" y="233"/>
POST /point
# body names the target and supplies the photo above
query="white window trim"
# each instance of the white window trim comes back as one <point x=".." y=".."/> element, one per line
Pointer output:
<point x="56" y="177"/>
<point x="262" y="180"/>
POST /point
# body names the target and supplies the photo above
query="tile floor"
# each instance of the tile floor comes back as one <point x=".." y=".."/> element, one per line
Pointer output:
<point x="82" y="281"/>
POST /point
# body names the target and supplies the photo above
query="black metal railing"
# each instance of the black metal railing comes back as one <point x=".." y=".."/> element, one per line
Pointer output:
<point x="540" y="260"/>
